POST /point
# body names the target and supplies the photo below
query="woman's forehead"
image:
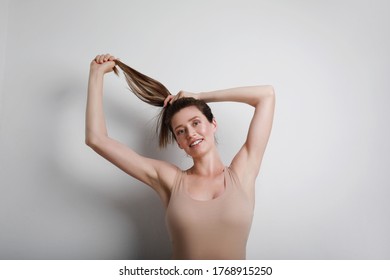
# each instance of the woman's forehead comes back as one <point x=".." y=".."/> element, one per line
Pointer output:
<point x="185" y="115"/>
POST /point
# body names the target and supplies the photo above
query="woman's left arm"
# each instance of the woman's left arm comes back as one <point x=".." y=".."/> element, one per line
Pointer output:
<point x="247" y="161"/>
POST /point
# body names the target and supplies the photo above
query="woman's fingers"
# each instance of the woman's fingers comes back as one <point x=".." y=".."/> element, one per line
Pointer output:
<point x="97" y="59"/>
<point x="108" y="57"/>
<point x="104" y="58"/>
<point x="100" y="59"/>
<point x="169" y="100"/>
<point x="172" y="98"/>
<point x="104" y="63"/>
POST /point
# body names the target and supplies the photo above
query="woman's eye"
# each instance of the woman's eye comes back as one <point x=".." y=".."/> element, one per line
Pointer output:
<point x="196" y="123"/>
<point x="181" y="131"/>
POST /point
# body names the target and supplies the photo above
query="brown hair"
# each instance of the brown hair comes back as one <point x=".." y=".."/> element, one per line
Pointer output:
<point x="145" y="88"/>
<point x="154" y="93"/>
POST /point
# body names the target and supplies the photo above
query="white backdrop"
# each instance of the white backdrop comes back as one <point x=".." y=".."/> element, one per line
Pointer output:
<point x="324" y="185"/>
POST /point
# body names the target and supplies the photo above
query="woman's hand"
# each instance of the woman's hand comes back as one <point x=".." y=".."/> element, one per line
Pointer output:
<point x="172" y="98"/>
<point x="103" y="63"/>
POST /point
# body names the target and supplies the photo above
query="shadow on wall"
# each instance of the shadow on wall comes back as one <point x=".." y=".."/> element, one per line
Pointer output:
<point x="129" y="213"/>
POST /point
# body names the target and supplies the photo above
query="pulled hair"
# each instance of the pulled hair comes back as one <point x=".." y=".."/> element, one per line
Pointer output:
<point x="145" y="88"/>
<point x="154" y="93"/>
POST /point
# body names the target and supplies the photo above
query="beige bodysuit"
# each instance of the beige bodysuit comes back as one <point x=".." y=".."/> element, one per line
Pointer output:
<point x="212" y="229"/>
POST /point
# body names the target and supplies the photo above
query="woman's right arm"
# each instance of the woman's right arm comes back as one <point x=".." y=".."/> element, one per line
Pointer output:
<point x="157" y="174"/>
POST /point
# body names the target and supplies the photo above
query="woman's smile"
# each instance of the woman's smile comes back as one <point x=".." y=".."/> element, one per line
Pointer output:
<point x="196" y="143"/>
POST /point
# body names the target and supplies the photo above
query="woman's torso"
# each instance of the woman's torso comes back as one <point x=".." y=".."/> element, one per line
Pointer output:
<point x="211" y="229"/>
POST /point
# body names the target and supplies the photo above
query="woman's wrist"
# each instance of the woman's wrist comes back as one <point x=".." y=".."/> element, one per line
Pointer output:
<point x="199" y="96"/>
<point x="96" y="73"/>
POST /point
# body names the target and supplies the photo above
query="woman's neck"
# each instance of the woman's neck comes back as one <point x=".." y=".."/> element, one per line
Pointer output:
<point x="207" y="165"/>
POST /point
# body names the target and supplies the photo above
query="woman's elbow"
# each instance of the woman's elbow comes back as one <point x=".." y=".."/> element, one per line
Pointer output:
<point x="89" y="142"/>
<point x="266" y="91"/>
<point x="263" y="93"/>
<point x="92" y="141"/>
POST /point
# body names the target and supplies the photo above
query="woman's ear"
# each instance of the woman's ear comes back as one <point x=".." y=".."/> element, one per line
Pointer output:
<point x="215" y="125"/>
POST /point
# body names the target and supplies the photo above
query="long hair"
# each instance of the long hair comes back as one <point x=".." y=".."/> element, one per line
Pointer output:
<point x="154" y="93"/>
<point x="145" y="88"/>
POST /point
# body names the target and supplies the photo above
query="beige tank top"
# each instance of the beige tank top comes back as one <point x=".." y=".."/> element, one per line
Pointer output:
<point x="212" y="229"/>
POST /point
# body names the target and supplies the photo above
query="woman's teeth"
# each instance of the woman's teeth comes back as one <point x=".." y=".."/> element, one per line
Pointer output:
<point x="196" y="142"/>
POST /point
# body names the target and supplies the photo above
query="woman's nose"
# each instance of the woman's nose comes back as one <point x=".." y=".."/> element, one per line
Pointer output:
<point x="190" y="132"/>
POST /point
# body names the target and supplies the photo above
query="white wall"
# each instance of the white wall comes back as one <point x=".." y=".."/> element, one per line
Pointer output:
<point x="324" y="184"/>
<point x="3" y="39"/>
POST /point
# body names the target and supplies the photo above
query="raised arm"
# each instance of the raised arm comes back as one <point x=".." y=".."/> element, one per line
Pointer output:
<point x="247" y="161"/>
<point x="157" y="174"/>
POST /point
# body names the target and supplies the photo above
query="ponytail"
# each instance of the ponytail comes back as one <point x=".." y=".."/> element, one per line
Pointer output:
<point x="145" y="88"/>
<point x="152" y="92"/>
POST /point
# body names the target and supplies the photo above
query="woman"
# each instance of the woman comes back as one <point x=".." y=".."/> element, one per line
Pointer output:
<point x="209" y="207"/>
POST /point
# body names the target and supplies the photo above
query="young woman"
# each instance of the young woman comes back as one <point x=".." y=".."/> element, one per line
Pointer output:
<point x="209" y="207"/>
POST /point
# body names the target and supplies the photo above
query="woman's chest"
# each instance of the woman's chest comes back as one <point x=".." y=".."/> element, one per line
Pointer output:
<point x="204" y="189"/>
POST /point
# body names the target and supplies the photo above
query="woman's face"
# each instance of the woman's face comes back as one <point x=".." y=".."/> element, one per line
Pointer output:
<point x="193" y="132"/>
